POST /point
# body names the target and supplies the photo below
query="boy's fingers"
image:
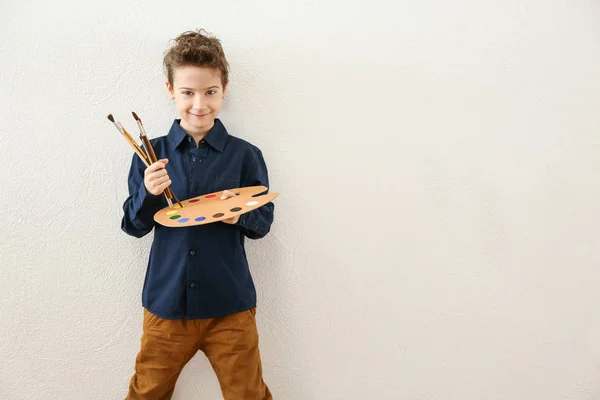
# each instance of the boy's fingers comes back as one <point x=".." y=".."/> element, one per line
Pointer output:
<point x="157" y="165"/>
<point x="232" y="220"/>
<point x="227" y="194"/>
<point x="153" y="175"/>
<point x="160" y="180"/>
<point x="158" y="174"/>
<point x="161" y="188"/>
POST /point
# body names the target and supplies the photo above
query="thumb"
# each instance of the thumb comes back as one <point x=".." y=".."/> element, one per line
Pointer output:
<point x="227" y="194"/>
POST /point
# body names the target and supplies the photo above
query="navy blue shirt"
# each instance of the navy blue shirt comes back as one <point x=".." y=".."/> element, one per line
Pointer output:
<point x="198" y="271"/>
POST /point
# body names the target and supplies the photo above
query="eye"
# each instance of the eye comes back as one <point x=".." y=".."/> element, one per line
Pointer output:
<point x="211" y="92"/>
<point x="186" y="93"/>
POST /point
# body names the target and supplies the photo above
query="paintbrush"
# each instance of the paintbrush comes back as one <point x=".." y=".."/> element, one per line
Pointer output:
<point x="138" y="150"/>
<point x="130" y="140"/>
<point x="151" y="154"/>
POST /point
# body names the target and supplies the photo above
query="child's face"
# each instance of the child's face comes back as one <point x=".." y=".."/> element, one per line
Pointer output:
<point x="198" y="94"/>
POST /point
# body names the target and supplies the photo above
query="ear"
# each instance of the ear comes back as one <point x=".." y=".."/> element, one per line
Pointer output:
<point x="170" y="90"/>
<point x="225" y="89"/>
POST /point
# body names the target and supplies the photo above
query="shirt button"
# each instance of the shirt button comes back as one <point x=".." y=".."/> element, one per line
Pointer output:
<point x="192" y="253"/>
<point x="194" y="159"/>
<point x="192" y="285"/>
<point x="189" y="139"/>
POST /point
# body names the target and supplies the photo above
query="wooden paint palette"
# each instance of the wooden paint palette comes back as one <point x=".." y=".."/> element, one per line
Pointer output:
<point x="210" y="208"/>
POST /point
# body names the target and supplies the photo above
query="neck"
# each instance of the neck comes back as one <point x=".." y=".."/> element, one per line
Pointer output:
<point x="197" y="134"/>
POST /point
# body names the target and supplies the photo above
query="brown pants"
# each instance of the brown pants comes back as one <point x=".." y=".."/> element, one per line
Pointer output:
<point x="230" y="343"/>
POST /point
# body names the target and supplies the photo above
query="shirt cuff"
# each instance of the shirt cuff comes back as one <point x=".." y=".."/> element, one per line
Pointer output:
<point x="245" y="220"/>
<point x="144" y="198"/>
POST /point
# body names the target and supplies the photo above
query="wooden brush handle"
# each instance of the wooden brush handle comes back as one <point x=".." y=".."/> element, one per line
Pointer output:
<point x="152" y="157"/>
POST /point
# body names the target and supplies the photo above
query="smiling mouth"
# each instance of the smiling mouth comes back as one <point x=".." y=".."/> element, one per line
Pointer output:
<point x="200" y="115"/>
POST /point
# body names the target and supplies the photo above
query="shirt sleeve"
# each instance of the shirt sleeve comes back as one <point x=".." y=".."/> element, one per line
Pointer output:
<point x="140" y="206"/>
<point x="257" y="223"/>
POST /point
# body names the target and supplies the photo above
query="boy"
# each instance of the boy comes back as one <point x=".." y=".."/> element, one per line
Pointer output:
<point x="198" y="293"/>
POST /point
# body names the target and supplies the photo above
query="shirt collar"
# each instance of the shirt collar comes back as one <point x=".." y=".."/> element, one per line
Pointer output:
<point x="216" y="137"/>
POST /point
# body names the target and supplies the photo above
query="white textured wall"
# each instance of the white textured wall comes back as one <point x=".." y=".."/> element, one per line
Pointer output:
<point x="437" y="234"/>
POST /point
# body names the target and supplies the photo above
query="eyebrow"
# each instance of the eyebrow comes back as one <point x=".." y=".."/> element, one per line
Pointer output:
<point x="212" y="87"/>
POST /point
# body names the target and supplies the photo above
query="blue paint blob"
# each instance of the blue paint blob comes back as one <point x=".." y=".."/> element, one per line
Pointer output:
<point x="200" y="219"/>
<point x="182" y="220"/>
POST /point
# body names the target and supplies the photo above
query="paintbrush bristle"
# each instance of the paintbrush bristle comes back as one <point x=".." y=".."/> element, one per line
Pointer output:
<point x="112" y="119"/>
<point x="136" y="117"/>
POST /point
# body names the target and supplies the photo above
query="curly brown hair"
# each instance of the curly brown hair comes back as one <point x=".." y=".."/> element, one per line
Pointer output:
<point x="197" y="48"/>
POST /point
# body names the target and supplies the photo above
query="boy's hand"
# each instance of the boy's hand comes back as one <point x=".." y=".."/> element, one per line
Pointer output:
<point x="233" y="220"/>
<point x="156" y="178"/>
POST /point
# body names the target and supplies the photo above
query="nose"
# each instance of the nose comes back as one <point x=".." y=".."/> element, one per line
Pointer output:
<point x="198" y="102"/>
